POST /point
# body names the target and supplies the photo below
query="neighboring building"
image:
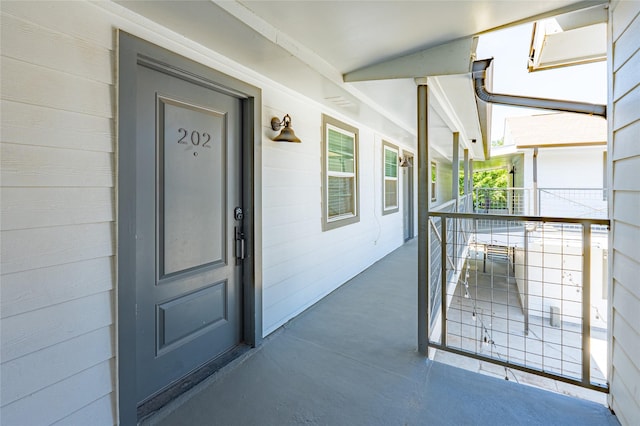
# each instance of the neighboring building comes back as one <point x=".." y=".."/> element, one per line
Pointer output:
<point x="557" y="162"/>
<point x="110" y="109"/>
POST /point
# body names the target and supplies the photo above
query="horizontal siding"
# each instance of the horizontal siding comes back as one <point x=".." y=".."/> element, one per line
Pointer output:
<point x="301" y="229"/>
<point x="626" y="76"/>
<point x="625" y="303"/>
<point x="622" y="398"/>
<point x="631" y="390"/>
<point x="24" y="165"/>
<point x="630" y="346"/>
<point x="35" y="125"/>
<point x="295" y="249"/>
<point x="626" y="144"/>
<point x="27" y="249"/>
<point x="627" y="206"/>
<point x="32" y="43"/>
<point x="57" y="171"/>
<point x="45" y="207"/>
<point x="35" y="85"/>
<point x="100" y="412"/>
<point x="26" y="375"/>
<point x="625" y="270"/>
<point x="94" y="27"/>
<point x="625" y="172"/>
<point x="303" y="270"/>
<point x="626" y="240"/>
<point x="54" y="402"/>
<point x="36" y="330"/>
<point x="626" y="45"/>
<point x="38" y="288"/>
<point x="626" y="109"/>
<point x="625" y="11"/>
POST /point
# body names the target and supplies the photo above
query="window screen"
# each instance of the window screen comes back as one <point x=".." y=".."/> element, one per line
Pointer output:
<point x="390" y="197"/>
<point x="340" y="189"/>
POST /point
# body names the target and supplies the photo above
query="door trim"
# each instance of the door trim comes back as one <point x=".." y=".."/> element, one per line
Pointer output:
<point x="408" y="200"/>
<point x="132" y="52"/>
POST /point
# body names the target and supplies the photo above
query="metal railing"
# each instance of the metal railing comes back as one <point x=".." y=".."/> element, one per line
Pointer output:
<point x="549" y="202"/>
<point x="510" y="201"/>
<point x="573" y="202"/>
<point x="456" y="245"/>
<point x="524" y="292"/>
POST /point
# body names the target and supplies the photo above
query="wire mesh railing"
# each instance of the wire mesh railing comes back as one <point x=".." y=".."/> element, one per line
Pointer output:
<point x="524" y="292"/>
<point x="517" y="201"/>
<point x="573" y="202"/>
<point x="456" y="246"/>
<point x="548" y="202"/>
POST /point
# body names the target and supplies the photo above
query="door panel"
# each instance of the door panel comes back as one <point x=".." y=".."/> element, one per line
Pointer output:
<point x="407" y="207"/>
<point x="188" y="287"/>
<point x="192" y="167"/>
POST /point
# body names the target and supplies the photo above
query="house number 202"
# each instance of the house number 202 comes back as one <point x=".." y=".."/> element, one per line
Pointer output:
<point x="195" y="137"/>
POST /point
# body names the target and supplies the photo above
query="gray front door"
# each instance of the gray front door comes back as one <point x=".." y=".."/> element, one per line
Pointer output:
<point x="407" y="189"/>
<point x="188" y="184"/>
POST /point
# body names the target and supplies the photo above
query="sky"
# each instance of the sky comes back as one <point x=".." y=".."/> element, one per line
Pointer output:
<point x="510" y="48"/>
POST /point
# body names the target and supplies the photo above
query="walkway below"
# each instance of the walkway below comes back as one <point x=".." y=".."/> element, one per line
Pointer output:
<point x="351" y="360"/>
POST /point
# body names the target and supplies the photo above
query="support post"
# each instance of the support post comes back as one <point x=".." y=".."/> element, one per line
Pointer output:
<point x="586" y="304"/>
<point x="424" y="257"/>
<point x="526" y="281"/>
<point x="465" y="187"/>
<point x="536" y="195"/>
<point x="470" y="180"/>
<point x="455" y="169"/>
<point x="443" y="280"/>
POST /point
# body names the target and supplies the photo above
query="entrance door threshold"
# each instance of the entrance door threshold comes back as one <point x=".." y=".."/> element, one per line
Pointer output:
<point x="151" y="406"/>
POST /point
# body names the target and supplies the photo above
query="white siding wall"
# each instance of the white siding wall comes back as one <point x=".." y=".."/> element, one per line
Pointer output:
<point x="579" y="167"/>
<point x="58" y="206"/>
<point x="624" y="127"/>
<point x="58" y="169"/>
<point x="296" y="252"/>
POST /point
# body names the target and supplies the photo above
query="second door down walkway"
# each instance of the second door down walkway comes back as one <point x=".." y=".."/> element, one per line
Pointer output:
<point x="351" y="360"/>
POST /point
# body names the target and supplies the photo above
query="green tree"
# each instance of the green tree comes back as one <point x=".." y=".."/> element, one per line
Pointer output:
<point x="497" y="178"/>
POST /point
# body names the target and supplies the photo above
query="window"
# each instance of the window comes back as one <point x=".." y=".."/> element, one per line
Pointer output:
<point x="390" y="164"/>
<point x="340" y="201"/>
<point x="434" y="174"/>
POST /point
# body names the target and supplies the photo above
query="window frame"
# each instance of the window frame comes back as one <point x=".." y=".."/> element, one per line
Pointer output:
<point x="386" y="146"/>
<point x="329" y="223"/>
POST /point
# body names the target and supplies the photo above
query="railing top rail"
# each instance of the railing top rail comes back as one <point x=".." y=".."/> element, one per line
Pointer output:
<point x="483" y="216"/>
<point x="571" y="189"/>
<point x="539" y="188"/>
<point x="443" y="206"/>
<point x="496" y="188"/>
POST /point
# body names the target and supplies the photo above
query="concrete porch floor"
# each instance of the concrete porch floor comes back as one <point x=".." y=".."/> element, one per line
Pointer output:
<point x="351" y="360"/>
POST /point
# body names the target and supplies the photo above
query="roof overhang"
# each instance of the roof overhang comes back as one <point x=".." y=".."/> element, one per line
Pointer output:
<point x="573" y="38"/>
<point x="446" y="59"/>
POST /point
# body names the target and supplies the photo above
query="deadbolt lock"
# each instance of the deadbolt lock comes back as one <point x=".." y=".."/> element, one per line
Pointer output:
<point x="238" y="214"/>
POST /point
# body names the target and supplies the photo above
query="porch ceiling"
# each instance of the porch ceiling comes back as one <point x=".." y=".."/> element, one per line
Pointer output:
<point x="311" y="45"/>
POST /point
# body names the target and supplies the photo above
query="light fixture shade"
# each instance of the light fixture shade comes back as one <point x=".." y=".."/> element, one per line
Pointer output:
<point x="404" y="162"/>
<point x="287" y="134"/>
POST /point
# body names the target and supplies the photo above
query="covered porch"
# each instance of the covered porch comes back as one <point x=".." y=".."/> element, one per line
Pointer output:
<point x="351" y="359"/>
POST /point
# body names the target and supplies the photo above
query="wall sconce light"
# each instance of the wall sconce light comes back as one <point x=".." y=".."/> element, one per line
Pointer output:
<point x="286" y="135"/>
<point x="404" y="162"/>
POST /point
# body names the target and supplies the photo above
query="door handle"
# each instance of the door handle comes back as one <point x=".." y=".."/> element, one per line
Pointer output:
<point x="240" y="246"/>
